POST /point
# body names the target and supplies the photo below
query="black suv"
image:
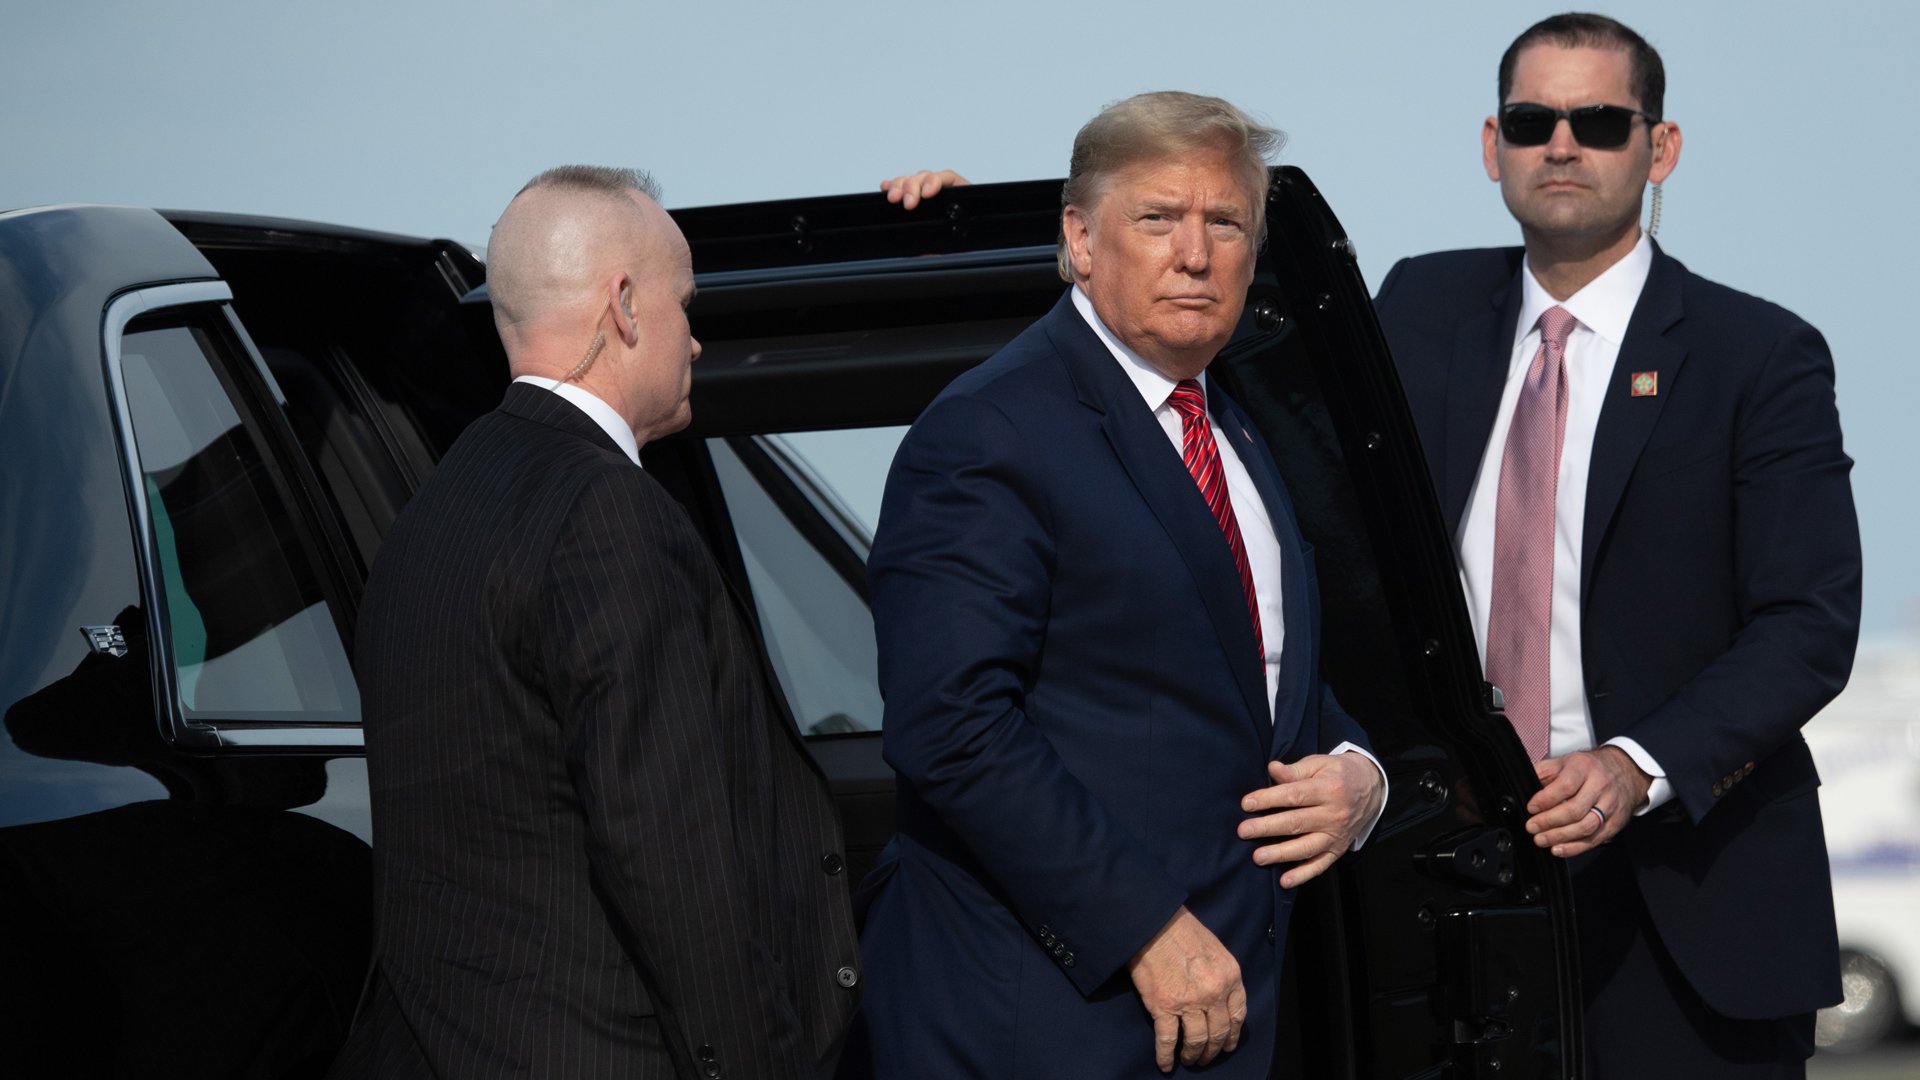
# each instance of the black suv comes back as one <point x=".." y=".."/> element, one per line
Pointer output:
<point x="208" y="423"/>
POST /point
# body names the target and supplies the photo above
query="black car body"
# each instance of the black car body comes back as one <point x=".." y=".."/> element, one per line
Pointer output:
<point x="207" y="423"/>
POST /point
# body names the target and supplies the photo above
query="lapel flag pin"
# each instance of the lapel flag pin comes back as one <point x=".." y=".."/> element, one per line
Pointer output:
<point x="1646" y="383"/>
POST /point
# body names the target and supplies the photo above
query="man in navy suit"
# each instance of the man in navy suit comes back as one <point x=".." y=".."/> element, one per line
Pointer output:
<point x="1098" y="629"/>
<point x="1698" y="588"/>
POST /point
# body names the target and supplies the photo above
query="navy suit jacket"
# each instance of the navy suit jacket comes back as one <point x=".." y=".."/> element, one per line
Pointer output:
<point x="1074" y="708"/>
<point x="1720" y="591"/>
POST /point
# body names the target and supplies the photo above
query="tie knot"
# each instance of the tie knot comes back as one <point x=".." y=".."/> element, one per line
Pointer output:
<point x="1188" y="398"/>
<point x="1556" y="326"/>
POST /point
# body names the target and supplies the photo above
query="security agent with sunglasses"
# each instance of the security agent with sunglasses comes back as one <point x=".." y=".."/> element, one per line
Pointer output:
<point x="1644" y="474"/>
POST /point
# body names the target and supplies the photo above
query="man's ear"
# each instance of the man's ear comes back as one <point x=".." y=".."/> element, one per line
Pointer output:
<point x="620" y="298"/>
<point x="1077" y="225"/>
<point x="1490" y="148"/>
<point x="1666" y="151"/>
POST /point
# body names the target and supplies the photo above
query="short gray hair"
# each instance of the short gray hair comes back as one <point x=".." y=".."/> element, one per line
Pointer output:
<point x="1160" y="125"/>
<point x="605" y="179"/>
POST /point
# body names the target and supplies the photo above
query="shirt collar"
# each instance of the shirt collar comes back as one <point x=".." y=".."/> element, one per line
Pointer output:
<point x="1155" y="388"/>
<point x="1604" y="305"/>
<point x="596" y="409"/>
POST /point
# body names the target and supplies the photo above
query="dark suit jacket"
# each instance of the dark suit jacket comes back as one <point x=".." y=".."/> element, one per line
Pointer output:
<point x="598" y="840"/>
<point x="1720" y="592"/>
<point x="1074" y="709"/>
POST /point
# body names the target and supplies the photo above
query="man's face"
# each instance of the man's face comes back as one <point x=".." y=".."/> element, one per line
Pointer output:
<point x="1563" y="191"/>
<point x="1166" y="253"/>
<point x="659" y="293"/>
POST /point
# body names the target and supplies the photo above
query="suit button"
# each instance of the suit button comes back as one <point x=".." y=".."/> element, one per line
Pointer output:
<point x="1270" y="934"/>
<point x="710" y="1071"/>
<point x="705" y="1053"/>
<point x="832" y="863"/>
<point x="1718" y="790"/>
<point x="846" y="976"/>
<point x="1067" y="960"/>
<point x="1747" y="768"/>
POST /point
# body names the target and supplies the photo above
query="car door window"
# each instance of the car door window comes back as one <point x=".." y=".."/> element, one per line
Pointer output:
<point x="803" y="508"/>
<point x="250" y="632"/>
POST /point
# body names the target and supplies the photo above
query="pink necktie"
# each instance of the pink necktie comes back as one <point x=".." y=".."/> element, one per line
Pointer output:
<point x="1520" y="622"/>
<point x="1203" y="461"/>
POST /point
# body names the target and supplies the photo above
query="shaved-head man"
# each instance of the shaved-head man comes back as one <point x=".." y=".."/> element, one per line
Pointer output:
<point x="598" y="838"/>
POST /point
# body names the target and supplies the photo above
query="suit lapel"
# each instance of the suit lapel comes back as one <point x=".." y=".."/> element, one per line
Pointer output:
<point x="1625" y="420"/>
<point x="1169" y="492"/>
<point x="1482" y="351"/>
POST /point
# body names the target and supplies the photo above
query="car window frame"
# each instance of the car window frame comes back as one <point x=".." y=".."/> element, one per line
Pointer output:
<point x="259" y="401"/>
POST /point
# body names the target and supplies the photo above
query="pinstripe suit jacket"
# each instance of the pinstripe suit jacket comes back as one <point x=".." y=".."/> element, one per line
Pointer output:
<point x="599" y="843"/>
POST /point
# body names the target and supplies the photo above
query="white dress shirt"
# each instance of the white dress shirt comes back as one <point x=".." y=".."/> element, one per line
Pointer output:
<point x="1249" y="509"/>
<point x="597" y="410"/>
<point x="1602" y="310"/>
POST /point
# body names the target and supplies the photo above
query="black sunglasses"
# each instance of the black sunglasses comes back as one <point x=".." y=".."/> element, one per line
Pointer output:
<point x="1598" y="127"/>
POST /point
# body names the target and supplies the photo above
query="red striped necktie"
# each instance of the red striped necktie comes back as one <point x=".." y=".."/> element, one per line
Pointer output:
<point x="1203" y="461"/>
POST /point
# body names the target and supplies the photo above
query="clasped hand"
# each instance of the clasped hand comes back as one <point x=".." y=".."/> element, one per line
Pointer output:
<point x="1563" y="818"/>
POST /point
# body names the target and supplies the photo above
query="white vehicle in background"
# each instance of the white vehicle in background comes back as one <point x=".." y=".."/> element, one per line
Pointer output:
<point x="1867" y="745"/>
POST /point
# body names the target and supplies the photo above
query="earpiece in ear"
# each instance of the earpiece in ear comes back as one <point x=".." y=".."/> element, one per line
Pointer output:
<point x="626" y="304"/>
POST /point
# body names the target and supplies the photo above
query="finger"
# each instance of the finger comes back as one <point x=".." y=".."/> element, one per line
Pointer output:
<point x="1585" y="828"/>
<point x="1572" y="848"/>
<point x="1549" y="826"/>
<point x="1308" y="870"/>
<point x="1219" y="1025"/>
<point x="1236" y="1014"/>
<point x="1307" y="845"/>
<point x="1193" y="1036"/>
<point x="1564" y="785"/>
<point x="1166" y="1039"/>
<point x="1297" y="791"/>
<point x="1286" y="823"/>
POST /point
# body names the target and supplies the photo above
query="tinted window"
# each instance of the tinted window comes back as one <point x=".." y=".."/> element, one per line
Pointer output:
<point x="803" y="509"/>
<point x="250" y="633"/>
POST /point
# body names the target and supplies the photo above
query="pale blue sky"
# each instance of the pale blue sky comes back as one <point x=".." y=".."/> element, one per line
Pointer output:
<point x="1794" y="182"/>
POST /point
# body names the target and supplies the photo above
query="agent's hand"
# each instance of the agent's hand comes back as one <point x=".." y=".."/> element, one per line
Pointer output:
<point x="1191" y="987"/>
<point x="1320" y="803"/>
<point x="907" y="190"/>
<point x="1563" y="817"/>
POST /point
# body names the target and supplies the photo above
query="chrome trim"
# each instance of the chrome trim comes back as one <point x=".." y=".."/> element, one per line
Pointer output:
<point x="290" y="737"/>
<point x="253" y="353"/>
<point x="121" y="311"/>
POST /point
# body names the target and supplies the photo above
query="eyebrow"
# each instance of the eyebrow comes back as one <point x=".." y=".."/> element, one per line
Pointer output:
<point x="1167" y="206"/>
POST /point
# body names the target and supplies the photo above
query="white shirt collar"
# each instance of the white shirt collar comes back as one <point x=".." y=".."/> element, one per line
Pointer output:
<point x="1604" y="305"/>
<point x="1154" y="387"/>
<point x="596" y="409"/>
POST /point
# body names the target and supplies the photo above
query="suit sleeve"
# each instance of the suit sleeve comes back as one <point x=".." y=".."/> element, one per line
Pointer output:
<point x="1796" y="549"/>
<point x="961" y="572"/>
<point x="629" y="667"/>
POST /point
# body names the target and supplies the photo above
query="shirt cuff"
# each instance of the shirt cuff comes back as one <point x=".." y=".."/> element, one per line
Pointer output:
<point x="1661" y="791"/>
<point x="1363" y="752"/>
